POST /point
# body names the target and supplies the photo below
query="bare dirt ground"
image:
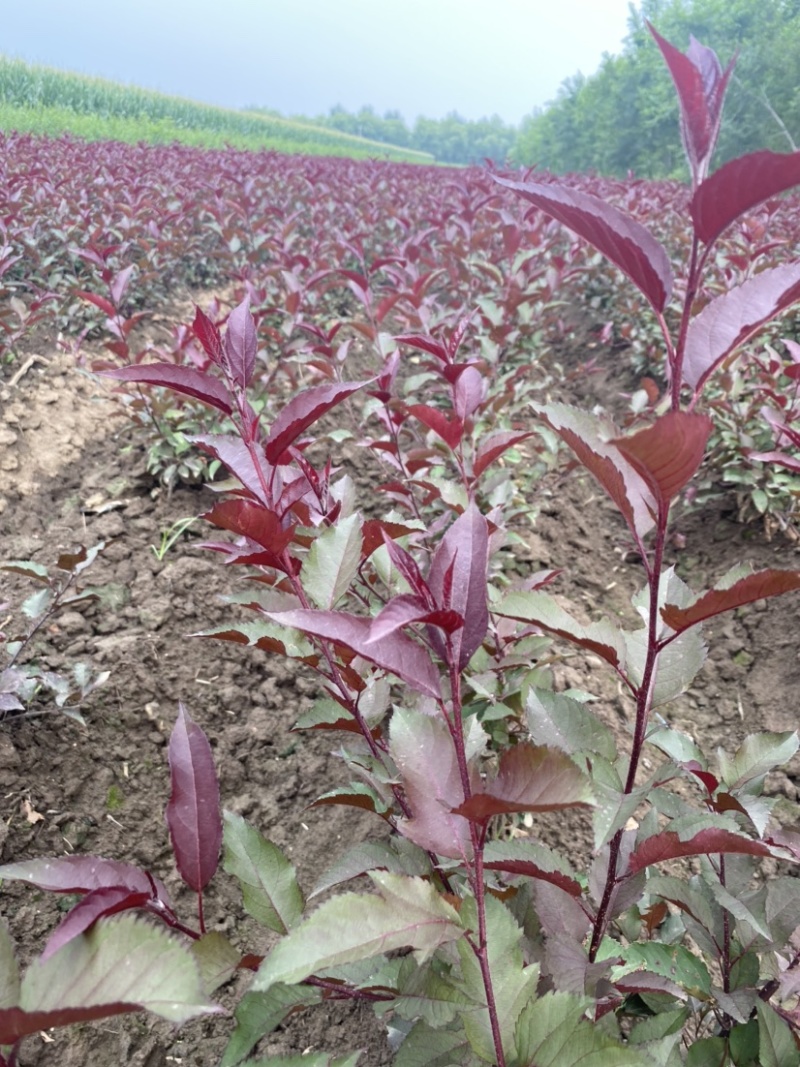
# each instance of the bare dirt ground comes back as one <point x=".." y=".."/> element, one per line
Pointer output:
<point x="102" y="790"/>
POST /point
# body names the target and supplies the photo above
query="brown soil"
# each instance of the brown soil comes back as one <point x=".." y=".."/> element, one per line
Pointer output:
<point x="102" y="790"/>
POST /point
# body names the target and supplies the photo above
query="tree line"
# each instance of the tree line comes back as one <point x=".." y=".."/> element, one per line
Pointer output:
<point x="623" y="117"/>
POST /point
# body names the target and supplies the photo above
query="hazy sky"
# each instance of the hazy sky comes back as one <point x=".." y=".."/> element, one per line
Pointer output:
<point x="427" y="57"/>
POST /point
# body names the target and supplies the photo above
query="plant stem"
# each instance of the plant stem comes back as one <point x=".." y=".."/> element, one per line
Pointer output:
<point x="476" y="872"/>
<point x="643" y="705"/>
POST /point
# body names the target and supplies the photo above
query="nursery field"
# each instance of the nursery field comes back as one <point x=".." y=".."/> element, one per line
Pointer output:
<point x="105" y="249"/>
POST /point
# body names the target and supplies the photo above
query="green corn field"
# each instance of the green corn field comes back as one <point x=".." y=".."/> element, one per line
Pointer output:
<point x="42" y="100"/>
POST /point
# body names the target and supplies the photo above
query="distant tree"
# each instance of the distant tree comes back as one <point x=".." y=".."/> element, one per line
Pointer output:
<point x="624" y="116"/>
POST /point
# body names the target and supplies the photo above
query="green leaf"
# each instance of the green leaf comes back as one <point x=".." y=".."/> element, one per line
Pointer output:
<point x="783" y="907"/>
<point x="257" y="1014"/>
<point x="558" y="720"/>
<point x="398" y="855"/>
<point x="743" y="1043"/>
<point x="216" y="958"/>
<point x="678" y="746"/>
<point x="513" y="983"/>
<point x="776" y="1046"/>
<point x="408" y="912"/>
<point x="332" y="562"/>
<point x="532" y="860"/>
<point x="677" y="665"/>
<point x="26" y="567"/>
<point x="708" y="1052"/>
<point x="552" y="1032"/>
<point x="428" y="994"/>
<point x="696" y="900"/>
<point x="750" y="912"/>
<point x="117" y="966"/>
<point x="9" y="971"/>
<point x="426" y="1047"/>
<point x="38" y="603"/>
<point x="269" y="883"/>
<point x="658" y="1026"/>
<point x="758" y="754"/>
<point x="670" y="961"/>
<point x="602" y="638"/>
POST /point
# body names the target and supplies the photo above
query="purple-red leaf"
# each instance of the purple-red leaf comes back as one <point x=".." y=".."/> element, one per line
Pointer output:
<point x="701" y="85"/>
<point x="182" y="379"/>
<point x="531" y="778"/>
<point x="668" y="453"/>
<point x="193" y="812"/>
<point x="253" y="521"/>
<point x="83" y="874"/>
<point x="241" y="344"/>
<point x="668" y="846"/>
<point x="620" y="238"/>
<point x="208" y="335"/>
<point x="783" y="459"/>
<point x="303" y="411"/>
<point x="493" y="446"/>
<point x="457" y="580"/>
<point x="96" y="904"/>
<point x="425" y="344"/>
<point x="468" y="392"/>
<point x="731" y="319"/>
<point x="450" y="430"/>
<point x="396" y="653"/>
<point x="248" y="465"/>
<point x="758" y="586"/>
<point x="120" y="283"/>
<point x="593" y="442"/>
<point x="738" y="185"/>
<point x="99" y="301"/>
<point x="425" y="756"/>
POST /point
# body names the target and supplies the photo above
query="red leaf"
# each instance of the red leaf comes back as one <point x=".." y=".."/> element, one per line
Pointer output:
<point x="450" y="430"/>
<point x="99" y="301"/>
<point x="468" y="393"/>
<point x="781" y="458"/>
<point x="624" y="241"/>
<point x="303" y="411"/>
<point x="495" y="445"/>
<point x="668" y="453"/>
<point x="373" y="532"/>
<point x="182" y="379"/>
<point x="241" y="344"/>
<point x="531" y="778"/>
<point x="530" y="870"/>
<point x="193" y="812"/>
<point x="16" y="1023"/>
<point x="668" y="846"/>
<point x="463" y="554"/>
<point x="251" y="520"/>
<point x="249" y="467"/>
<point x="407" y="566"/>
<point x="739" y="185"/>
<point x="425" y="344"/>
<point x="731" y="319"/>
<point x="593" y="443"/>
<point x="208" y="335"/>
<point x="701" y="85"/>
<point x="119" y="285"/>
<point x="99" y="902"/>
<point x="758" y="586"/>
<point x="397" y="653"/>
<point x="83" y="874"/>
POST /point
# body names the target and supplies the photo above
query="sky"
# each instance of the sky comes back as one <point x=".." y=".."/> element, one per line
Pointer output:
<point x="302" y="57"/>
